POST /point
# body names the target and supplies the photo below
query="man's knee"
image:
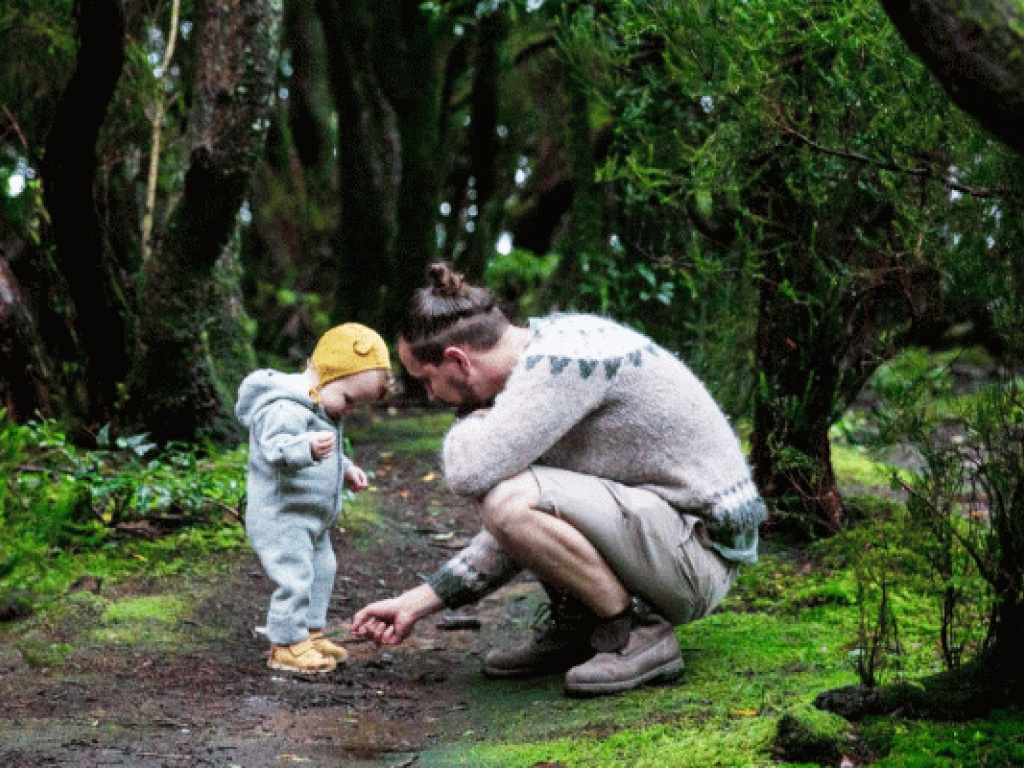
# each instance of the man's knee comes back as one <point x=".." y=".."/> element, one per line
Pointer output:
<point x="507" y="503"/>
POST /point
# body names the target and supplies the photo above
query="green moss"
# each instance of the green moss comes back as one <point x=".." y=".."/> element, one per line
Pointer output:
<point x="420" y="434"/>
<point x="921" y="744"/>
<point x="725" y="742"/>
<point x="41" y="653"/>
<point x="163" y="608"/>
<point x="807" y="734"/>
<point x="146" y="620"/>
<point x="856" y="468"/>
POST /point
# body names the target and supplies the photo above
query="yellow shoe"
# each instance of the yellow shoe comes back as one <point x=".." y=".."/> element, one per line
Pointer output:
<point x="300" y="657"/>
<point x="327" y="648"/>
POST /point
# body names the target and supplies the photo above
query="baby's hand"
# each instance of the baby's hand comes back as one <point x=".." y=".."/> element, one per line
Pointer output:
<point x="321" y="445"/>
<point x="355" y="478"/>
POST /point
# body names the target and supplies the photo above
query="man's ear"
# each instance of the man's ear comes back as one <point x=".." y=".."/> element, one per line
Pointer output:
<point x="459" y="357"/>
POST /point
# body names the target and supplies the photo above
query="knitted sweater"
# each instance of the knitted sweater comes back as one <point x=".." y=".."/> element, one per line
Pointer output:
<point x="592" y="396"/>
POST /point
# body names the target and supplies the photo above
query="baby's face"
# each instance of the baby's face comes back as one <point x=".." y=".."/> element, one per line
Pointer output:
<point x="341" y="396"/>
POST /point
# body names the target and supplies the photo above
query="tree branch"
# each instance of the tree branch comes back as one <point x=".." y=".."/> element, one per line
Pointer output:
<point x="888" y="165"/>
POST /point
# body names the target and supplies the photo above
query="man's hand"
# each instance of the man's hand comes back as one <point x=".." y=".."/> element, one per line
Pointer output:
<point x="389" y="622"/>
<point x="355" y="478"/>
<point x="321" y="444"/>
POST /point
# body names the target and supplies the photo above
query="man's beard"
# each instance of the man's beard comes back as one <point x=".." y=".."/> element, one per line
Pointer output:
<point x="469" y="401"/>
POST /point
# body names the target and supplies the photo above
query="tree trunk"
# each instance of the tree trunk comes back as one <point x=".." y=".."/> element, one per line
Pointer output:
<point x="417" y="96"/>
<point x="309" y="97"/>
<point x="385" y="64"/>
<point x="92" y="339"/>
<point x="1007" y="629"/>
<point x="369" y="161"/>
<point x="26" y="391"/>
<point x="193" y="345"/>
<point x="976" y="51"/>
<point x="795" y="404"/>
<point x="484" y="141"/>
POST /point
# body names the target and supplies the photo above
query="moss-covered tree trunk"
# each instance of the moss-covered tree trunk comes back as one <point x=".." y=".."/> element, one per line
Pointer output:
<point x="976" y="50"/>
<point x="89" y="340"/>
<point x="795" y="402"/>
<point x="194" y="346"/>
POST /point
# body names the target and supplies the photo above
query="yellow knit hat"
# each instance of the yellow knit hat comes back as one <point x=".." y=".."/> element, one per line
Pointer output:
<point x="349" y="349"/>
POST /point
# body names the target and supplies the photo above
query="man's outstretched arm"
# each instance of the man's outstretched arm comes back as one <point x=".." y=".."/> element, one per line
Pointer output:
<point x="389" y="622"/>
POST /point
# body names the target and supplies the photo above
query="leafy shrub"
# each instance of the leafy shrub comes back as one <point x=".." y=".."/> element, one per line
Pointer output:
<point x="57" y="499"/>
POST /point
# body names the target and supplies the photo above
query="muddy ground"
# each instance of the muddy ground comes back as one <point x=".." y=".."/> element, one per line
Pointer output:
<point x="206" y="697"/>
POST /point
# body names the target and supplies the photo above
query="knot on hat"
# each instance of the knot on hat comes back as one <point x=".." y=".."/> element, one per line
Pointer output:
<point x="363" y="346"/>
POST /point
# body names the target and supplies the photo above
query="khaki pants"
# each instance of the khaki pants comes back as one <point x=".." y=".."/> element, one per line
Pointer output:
<point x="657" y="552"/>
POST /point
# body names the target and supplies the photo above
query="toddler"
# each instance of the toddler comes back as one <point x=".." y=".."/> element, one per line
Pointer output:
<point x="296" y="473"/>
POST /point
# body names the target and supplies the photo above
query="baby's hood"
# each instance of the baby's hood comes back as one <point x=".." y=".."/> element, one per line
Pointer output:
<point x="265" y="387"/>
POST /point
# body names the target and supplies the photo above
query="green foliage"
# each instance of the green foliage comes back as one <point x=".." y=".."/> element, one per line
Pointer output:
<point x="36" y="55"/>
<point x="962" y="490"/>
<point x="786" y="165"/>
<point x="63" y="510"/>
<point x="519" y="276"/>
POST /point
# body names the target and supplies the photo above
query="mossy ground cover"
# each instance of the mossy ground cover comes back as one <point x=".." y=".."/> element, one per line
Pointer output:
<point x="788" y="631"/>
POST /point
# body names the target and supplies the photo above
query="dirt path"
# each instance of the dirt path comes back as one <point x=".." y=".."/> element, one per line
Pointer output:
<point x="198" y="693"/>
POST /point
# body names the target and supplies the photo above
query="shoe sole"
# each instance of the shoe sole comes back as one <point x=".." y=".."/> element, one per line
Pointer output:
<point x="298" y="671"/>
<point x="524" y="673"/>
<point x="665" y="671"/>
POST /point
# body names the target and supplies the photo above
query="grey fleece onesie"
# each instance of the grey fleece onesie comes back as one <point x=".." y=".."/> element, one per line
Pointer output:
<point x="292" y="499"/>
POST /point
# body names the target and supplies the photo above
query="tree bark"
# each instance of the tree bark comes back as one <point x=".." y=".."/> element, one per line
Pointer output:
<point x="385" y="73"/>
<point x="421" y="116"/>
<point x="193" y="345"/>
<point x="92" y="340"/>
<point x="976" y="51"/>
<point x="484" y="141"/>
<point x="309" y="97"/>
<point x="26" y="390"/>
<point x="369" y="161"/>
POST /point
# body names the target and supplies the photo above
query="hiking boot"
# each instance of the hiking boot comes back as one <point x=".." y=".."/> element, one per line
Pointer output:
<point x="561" y="639"/>
<point x="300" y="657"/>
<point x="650" y="651"/>
<point x="327" y="648"/>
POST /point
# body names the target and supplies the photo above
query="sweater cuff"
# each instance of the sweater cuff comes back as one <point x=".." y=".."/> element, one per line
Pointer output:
<point x="740" y="548"/>
<point x="453" y="591"/>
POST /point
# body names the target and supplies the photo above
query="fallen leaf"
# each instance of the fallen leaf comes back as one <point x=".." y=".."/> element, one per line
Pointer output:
<point x="429" y="477"/>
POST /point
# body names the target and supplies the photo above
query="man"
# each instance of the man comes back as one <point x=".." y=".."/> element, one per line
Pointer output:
<point x="600" y="464"/>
